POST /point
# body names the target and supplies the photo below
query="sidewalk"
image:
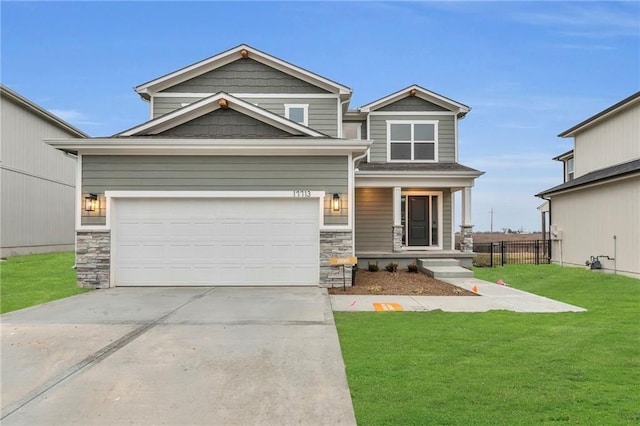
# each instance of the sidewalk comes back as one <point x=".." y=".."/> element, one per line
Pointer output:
<point x="491" y="297"/>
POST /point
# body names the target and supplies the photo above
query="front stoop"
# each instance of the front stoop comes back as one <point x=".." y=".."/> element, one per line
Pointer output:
<point x="443" y="268"/>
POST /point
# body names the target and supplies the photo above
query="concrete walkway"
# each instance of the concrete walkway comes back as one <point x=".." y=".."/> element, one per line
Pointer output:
<point x="176" y="356"/>
<point x="491" y="297"/>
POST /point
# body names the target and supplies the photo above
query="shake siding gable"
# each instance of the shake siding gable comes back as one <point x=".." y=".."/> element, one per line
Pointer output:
<point x="412" y="103"/>
<point x="224" y="123"/>
<point x="245" y="76"/>
<point x="446" y="135"/>
<point x="102" y="173"/>
<point x="323" y="112"/>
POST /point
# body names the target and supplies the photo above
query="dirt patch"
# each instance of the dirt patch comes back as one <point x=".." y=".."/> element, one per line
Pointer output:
<point x="400" y="283"/>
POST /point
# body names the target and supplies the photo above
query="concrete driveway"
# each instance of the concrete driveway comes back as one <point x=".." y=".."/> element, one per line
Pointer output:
<point x="183" y="356"/>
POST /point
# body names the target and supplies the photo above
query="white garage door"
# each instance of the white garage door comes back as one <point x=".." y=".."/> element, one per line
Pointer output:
<point x="240" y="242"/>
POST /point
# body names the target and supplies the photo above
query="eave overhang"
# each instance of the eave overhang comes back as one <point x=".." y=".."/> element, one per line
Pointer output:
<point x="591" y="121"/>
<point x="146" y="90"/>
<point x="432" y="179"/>
<point x="176" y="146"/>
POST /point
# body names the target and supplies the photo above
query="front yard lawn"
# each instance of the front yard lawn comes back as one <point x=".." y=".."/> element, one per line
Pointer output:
<point x="30" y="280"/>
<point x="420" y="368"/>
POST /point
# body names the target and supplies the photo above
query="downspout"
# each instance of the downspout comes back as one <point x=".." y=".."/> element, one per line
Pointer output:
<point x="548" y="230"/>
<point x="353" y="198"/>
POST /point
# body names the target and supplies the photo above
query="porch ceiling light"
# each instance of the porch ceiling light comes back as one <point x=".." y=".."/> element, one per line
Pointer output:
<point x="335" y="203"/>
<point x="91" y="202"/>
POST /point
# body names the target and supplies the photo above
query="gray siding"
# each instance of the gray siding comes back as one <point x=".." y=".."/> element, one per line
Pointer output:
<point x="446" y="135"/>
<point x="363" y="127"/>
<point x="323" y="112"/>
<point x="225" y="123"/>
<point x="245" y="76"/>
<point x="374" y="220"/>
<point x="412" y="103"/>
<point x="37" y="185"/>
<point x="216" y="173"/>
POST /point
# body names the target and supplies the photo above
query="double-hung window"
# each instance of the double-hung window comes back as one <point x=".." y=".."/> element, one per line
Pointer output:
<point x="298" y="113"/>
<point x="569" y="169"/>
<point x="412" y="141"/>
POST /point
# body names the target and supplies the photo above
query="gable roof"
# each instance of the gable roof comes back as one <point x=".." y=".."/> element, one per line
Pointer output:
<point x="25" y="103"/>
<point x="414" y="90"/>
<point x="212" y="103"/>
<point x="234" y="54"/>
<point x="617" y="171"/>
<point x="625" y="103"/>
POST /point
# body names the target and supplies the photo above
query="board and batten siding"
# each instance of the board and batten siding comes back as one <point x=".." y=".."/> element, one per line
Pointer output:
<point x="323" y="112"/>
<point x="374" y="220"/>
<point x="446" y="135"/>
<point x="102" y="173"/>
<point x="245" y="76"/>
<point x="589" y="218"/>
<point x="610" y="142"/>
<point x="37" y="185"/>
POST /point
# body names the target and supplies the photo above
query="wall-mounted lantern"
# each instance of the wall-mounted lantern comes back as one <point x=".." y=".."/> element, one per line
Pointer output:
<point x="91" y="202"/>
<point x="335" y="203"/>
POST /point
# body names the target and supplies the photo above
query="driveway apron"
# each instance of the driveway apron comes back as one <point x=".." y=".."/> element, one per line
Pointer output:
<point x="183" y="356"/>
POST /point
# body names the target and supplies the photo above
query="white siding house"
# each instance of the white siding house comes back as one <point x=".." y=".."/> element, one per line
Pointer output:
<point x="37" y="182"/>
<point x="595" y="213"/>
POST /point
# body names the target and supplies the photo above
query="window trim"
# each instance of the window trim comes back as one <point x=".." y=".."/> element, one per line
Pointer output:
<point x="305" y="113"/>
<point x="413" y="142"/>
<point x="569" y="175"/>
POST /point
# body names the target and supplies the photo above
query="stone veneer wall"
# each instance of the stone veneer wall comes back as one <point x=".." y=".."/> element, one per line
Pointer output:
<point x="334" y="244"/>
<point x="93" y="258"/>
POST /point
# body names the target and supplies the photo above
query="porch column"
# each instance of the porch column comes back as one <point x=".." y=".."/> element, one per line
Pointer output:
<point x="466" y="229"/>
<point x="397" y="219"/>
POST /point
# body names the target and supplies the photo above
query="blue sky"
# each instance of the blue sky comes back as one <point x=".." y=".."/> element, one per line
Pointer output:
<point x="529" y="70"/>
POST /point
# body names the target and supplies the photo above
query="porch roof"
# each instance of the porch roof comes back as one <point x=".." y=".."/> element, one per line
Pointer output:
<point x="412" y="168"/>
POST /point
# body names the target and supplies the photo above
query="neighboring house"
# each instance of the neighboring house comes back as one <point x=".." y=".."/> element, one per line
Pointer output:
<point x="596" y="211"/>
<point x="253" y="171"/>
<point x="37" y="182"/>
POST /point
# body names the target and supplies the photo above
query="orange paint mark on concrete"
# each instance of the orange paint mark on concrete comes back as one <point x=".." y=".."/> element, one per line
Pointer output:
<point x="385" y="307"/>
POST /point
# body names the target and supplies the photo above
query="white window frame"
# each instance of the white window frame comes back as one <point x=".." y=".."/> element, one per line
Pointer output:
<point x="305" y="108"/>
<point x="412" y="123"/>
<point x="569" y="173"/>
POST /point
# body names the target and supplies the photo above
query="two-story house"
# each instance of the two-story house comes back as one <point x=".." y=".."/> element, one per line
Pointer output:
<point x="37" y="182"/>
<point x="595" y="213"/>
<point x="254" y="171"/>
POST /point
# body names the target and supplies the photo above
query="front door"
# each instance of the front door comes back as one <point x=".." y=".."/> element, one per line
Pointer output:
<point x="418" y="221"/>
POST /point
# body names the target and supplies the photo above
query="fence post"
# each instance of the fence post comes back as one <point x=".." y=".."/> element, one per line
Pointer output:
<point x="537" y="252"/>
<point x="502" y="252"/>
<point x="491" y="253"/>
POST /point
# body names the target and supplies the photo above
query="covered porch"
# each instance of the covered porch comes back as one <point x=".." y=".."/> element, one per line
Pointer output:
<point x="407" y="215"/>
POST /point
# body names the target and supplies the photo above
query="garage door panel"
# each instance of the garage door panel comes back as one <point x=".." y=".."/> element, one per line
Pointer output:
<point x="216" y="242"/>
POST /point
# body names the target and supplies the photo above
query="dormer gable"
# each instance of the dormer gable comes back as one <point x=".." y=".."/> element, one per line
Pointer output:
<point x="416" y="98"/>
<point x="219" y="116"/>
<point x="246" y="60"/>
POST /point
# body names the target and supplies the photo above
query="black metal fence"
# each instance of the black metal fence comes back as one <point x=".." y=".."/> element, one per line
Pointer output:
<point x="535" y="252"/>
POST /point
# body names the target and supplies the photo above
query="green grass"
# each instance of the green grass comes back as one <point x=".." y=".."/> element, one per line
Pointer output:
<point x="30" y="280"/>
<point x="507" y="368"/>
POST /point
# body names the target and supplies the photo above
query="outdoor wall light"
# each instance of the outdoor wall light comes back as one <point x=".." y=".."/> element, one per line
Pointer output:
<point x="335" y="203"/>
<point x="91" y="202"/>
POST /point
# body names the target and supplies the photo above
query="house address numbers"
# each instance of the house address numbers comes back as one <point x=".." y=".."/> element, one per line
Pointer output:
<point x="302" y="193"/>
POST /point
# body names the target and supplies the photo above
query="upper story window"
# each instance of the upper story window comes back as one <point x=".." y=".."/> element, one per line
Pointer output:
<point x="569" y="169"/>
<point x="298" y="113"/>
<point x="351" y="130"/>
<point x="412" y="141"/>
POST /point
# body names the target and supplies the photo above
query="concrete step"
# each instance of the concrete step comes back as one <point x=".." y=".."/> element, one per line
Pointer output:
<point x="444" y="271"/>
<point x="438" y="262"/>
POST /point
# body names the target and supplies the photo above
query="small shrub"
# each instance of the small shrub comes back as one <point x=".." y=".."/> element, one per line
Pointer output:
<point x="373" y="267"/>
<point x="412" y="267"/>
<point x="374" y="289"/>
<point x="420" y="291"/>
<point x="392" y="267"/>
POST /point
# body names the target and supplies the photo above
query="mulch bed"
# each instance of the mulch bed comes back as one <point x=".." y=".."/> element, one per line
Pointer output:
<point x="400" y="283"/>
